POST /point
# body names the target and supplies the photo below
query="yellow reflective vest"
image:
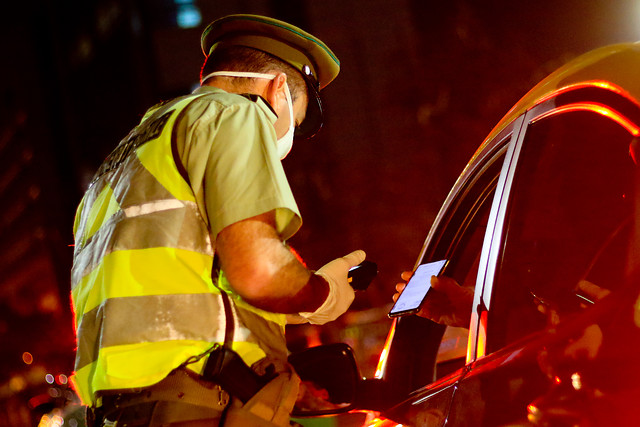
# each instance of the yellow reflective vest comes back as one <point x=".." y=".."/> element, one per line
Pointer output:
<point x="142" y="291"/>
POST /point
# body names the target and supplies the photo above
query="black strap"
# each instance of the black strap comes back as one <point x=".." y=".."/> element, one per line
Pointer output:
<point x="228" y="313"/>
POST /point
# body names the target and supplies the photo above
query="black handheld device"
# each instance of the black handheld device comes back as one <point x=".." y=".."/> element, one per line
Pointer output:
<point x="361" y="275"/>
<point x="416" y="290"/>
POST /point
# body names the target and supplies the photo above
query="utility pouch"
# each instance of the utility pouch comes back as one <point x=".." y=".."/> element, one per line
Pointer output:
<point x="227" y="369"/>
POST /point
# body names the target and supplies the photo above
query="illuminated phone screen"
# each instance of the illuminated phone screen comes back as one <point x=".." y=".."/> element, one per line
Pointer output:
<point x="413" y="294"/>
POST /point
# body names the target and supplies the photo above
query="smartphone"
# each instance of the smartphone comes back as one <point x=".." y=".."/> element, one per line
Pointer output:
<point x="413" y="294"/>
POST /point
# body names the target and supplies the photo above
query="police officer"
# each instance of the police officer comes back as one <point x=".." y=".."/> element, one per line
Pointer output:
<point x="197" y="184"/>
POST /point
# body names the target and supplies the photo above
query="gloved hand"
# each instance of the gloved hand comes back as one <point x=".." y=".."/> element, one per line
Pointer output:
<point x="341" y="294"/>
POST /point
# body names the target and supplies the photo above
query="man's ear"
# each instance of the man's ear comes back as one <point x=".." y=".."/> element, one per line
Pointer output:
<point x="275" y="91"/>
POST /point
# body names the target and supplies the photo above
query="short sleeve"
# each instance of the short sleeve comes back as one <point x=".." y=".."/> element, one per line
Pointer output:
<point x="230" y="156"/>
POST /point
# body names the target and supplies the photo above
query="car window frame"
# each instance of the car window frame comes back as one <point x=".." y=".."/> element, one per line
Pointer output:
<point x="437" y="243"/>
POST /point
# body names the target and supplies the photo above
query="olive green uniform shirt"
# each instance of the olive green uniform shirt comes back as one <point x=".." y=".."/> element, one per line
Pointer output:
<point x="227" y="144"/>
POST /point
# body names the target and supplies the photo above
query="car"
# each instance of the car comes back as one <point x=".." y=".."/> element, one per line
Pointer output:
<point x="544" y="224"/>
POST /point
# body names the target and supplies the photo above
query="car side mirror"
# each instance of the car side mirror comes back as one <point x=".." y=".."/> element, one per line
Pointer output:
<point x="330" y="378"/>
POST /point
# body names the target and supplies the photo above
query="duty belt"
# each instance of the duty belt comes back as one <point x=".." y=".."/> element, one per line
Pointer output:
<point x="181" y="396"/>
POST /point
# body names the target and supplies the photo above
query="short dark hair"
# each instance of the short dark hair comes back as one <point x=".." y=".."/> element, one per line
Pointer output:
<point x="241" y="58"/>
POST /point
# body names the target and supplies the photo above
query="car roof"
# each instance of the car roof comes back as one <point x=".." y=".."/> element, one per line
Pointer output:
<point x="616" y="65"/>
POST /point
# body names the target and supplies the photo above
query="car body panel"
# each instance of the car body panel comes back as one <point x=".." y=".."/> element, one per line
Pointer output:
<point x="542" y="378"/>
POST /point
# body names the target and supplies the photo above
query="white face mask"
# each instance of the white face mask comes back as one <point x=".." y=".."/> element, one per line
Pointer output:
<point x="284" y="143"/>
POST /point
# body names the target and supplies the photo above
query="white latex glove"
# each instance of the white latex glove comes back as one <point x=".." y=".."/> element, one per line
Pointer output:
<point x="341" y="293"/>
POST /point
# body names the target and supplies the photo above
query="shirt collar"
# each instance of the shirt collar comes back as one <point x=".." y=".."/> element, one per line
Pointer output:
<point x="260" y="101"/>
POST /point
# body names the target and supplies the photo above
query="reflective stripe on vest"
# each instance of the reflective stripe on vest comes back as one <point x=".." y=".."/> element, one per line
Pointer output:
<point x="141" y="281"/>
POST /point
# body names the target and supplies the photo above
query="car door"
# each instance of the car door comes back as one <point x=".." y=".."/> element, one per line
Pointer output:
<point x="545" y="205"/>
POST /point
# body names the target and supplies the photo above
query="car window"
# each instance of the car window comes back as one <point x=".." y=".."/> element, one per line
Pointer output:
<point x="568" y="220"/>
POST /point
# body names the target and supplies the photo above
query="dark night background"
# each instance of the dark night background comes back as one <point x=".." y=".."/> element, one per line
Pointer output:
<point x="422" y="83"/>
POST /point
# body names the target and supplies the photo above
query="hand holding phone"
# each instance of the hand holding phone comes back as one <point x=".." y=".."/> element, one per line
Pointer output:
<point x="414" y="293"/>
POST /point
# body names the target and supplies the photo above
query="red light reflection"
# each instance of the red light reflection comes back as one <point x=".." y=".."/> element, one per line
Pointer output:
<point x="384" y="354"/>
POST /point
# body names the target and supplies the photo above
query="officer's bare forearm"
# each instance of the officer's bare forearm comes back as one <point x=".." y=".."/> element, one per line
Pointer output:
<point x="263" y="271"/>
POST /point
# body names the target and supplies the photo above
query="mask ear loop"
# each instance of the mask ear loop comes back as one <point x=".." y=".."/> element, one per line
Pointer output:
<point x="245" y="74"/>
